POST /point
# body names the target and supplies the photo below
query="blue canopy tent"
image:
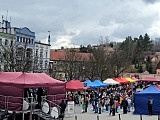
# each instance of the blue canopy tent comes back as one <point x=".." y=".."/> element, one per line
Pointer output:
<point x="141" y="100"/>
<point x="91" y="84"/>
<point x="100" y="84"/>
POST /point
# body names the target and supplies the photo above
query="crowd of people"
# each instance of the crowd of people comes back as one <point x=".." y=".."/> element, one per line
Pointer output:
<point x="109" y="99"/>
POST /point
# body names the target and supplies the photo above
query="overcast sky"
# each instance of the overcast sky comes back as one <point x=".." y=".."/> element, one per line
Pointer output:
<point x="81" y="22"/>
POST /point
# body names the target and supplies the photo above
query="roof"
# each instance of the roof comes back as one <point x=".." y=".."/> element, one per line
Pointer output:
<point x="149" y="79"/>
<point x="150" y="89"/>
<point x="74" y="85"/>
<point x="63" y="56"/>
<point x="28" y="80"/>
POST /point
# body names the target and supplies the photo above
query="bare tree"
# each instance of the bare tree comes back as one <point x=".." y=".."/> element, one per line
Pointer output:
<point x="118" y="62"/>
<point x="71" y="66"/>
<point x="101" y="55"/>
<point x="16" y="58"/>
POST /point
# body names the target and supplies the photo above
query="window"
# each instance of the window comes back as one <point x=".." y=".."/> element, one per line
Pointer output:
<point x="0" y="41"/>
<point x="6" y="42"/>
<point x="24" y="40"/>
<point x="29" y="53"/>
<point x="32" y="41"/>
<point x="46" y="54"/>
<point x="41" y="53"/>
<point x="20" y="53"/>
<point x="36" y="52"/>
<point x="29" y="40"/>
<point x="20" y="39"/>
<point x="41" y="64"/>
<point x="46" y="64"/>
<point x="17" y="38"/>
<point x="11" y="42"/>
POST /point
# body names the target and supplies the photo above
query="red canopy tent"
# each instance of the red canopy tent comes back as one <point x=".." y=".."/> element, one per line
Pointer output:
<point x="28" y="80"/>
<point x="74" y="85"/>
<point x="14" y="83"/>
<point x="150" y="79"/>
<point x="121" y="80"/>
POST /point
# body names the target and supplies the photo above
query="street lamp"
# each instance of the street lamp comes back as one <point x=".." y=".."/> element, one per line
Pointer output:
<point x="83" y="72"/>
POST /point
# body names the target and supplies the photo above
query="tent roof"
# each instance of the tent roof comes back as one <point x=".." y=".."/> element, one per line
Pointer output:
<point x="110" y="81"/>
<point x="130" y="80"/>
<point x="91" y="84"/>
<point x="150" y="79"/>
<point x="27" y="80"/>
<point x="150" y="89"/>
<point x="121" y="80"/>
<point x="74" y="85"/>
<point x="99" y="83"/>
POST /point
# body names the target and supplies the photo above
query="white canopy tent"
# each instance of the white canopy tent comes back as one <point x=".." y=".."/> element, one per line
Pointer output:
<point x="110" y="81"/>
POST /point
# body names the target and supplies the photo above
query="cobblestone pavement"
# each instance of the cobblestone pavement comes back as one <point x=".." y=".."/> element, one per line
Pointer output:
<point x="90" y="115"/>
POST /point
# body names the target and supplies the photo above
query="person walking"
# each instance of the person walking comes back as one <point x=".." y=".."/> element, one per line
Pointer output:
<point x="83" y="104"/>
<point x="62" y="110"/>
<point x="111" y="102"/>
<point x="129" y="104"/>
<point x="106" y="103"/>
<point x="124" y="105"/>
<point x="150" y="103"/>
<point x="114" y="108"/>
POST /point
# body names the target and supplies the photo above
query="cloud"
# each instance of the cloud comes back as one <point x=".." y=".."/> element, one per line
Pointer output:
<point x="81" y="22"/>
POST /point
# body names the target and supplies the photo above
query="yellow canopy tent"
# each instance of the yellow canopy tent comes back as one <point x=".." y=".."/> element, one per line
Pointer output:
<point x="130" y="80"/>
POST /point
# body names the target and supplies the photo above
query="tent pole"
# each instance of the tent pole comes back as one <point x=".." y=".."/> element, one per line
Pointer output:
<point x="22" y="115"/>
<point x="31" y="108"/>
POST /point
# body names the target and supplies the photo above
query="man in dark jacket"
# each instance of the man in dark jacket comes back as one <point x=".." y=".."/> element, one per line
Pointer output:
<point x="63" y="107"/>
<point x="39" y="96"/>
<point x="124" y="105"/>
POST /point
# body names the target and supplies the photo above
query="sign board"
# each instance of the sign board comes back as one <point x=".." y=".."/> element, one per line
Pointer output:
<point x="70" y="107"/>
<point x="85" y="85"/>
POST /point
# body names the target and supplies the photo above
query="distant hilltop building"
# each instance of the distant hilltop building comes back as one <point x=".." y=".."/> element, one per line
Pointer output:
<point x="20" y="51"/>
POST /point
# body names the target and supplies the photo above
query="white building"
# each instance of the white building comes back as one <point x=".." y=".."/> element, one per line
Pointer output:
<point x="27" y="55"/>
<point x="42" y="57"/>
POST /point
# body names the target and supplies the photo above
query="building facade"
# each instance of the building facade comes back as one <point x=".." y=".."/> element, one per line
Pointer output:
<point x="41" y="57"/>
<point x="19" y="50"/>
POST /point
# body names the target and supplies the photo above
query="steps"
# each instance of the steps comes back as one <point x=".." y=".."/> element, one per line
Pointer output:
<point x="43" y="115"/>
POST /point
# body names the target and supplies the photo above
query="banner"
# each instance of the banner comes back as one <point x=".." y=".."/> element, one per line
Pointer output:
<point x="70" y="107"/>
